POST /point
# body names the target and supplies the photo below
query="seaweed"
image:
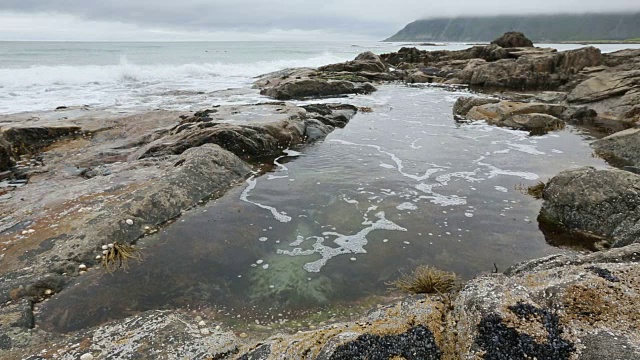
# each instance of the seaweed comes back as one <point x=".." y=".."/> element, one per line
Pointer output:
<point x="118" y="256"/>
<point x="426" y="280"/>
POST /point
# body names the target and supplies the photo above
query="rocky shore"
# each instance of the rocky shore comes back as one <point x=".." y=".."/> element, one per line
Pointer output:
<point x="74" y="181"/>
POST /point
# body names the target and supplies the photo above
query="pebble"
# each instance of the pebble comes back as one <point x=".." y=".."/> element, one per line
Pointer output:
<point x="105" y="252"/>
<point x="98" y="257"/>
<point x="105" y="247"/>
<point x="82" y="267"/>
<point x="129" y="222"/>
<point x="48" y="292"/>
<point x="202" y="323"/>
<point x="86" y="356"/>
<point x="82" y="272"/>
<point x="110" y="246"/>
<point x="260" y="262"/>
<point x="244" y="335"/>
<point x="147" y="228"/>
<point x="205" y="331"/>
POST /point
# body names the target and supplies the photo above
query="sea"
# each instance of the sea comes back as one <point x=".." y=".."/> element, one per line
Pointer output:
<point x="132" y="76"/>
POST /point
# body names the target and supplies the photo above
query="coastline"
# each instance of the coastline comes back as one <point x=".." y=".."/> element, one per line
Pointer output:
<point x="168" y="162"/>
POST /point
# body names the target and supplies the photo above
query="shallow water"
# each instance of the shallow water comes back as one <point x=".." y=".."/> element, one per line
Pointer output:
<point x="399" y="187"/>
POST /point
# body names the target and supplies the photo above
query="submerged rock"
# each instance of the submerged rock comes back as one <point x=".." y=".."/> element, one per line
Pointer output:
<point x="604" y="203"/>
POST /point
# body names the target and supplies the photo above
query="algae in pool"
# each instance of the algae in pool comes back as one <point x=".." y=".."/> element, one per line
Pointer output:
<point x="399" y="187"/>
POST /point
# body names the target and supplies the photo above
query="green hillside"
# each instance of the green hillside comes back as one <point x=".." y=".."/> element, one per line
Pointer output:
<point x="540" y="28"/>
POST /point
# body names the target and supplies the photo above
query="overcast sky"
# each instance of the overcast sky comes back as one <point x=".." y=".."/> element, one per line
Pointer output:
<point x="252" y="19"/>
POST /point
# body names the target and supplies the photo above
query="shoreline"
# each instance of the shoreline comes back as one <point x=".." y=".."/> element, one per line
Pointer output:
<point x="171" y="161"/>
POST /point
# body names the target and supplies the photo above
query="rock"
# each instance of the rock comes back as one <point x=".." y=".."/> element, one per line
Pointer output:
<point x="559" y="307"/>
<point x="253" y="139"/>
<point x="621" y="148"/>
<point x="86" y="356"/>
<point x="6" y="160"/>
<point x="368" y="62"/>
<point x="531" y="72"/>
<point x="605" y="85"/>
<point x="408" y="329"/>
<point x="536" y="117"/>
<point x="464" y="104"/>
<point x="601" y="203"/>
<point x="154" y="334"/>
<point x="315" y="88"/>
<point x="513" y="39"/>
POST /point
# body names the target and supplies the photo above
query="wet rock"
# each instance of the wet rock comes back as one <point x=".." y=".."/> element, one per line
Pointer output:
<point x="464" y="104"/>
<point x="536" y="117"/>
<point x="315" y="88"/>
<point x="550" y="308"/>
<point x="154" y="334"/>
<point x="621" y="148"/>
<point x="599" y="202"/>
<point x="513" y="39"/>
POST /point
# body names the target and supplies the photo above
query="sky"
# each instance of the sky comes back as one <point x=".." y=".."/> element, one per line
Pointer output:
<point x="252" y="20"/>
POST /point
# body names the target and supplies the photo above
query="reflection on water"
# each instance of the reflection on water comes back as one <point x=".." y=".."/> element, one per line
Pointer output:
<point x="331" y="224"/>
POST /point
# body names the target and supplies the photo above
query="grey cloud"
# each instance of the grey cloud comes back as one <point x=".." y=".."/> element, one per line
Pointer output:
<point x="371" y="17"/>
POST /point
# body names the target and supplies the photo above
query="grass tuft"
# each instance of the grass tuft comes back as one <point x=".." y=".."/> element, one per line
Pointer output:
<point x="426" y="280"/>
<point x="365" y="109"/>
<point x="118" y="257"/>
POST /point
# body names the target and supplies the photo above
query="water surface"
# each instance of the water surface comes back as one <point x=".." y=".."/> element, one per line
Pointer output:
<point x="332" y="223"/>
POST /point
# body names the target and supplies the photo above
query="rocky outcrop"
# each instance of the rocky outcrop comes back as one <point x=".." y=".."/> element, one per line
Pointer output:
<point x="335" y="80"/>
<point x="559" y="307"/>
<point x="530" y="72"/>
<point x="621" y="148"/>
<point x="513" y="39"/>
<point x="19" y="140"/>
<point x="254" y="139"/>
<point x="605" y="85"/>
<point x="535" y="117"/>
<point x="602" y="204"/>
<point x="367" y="62"/>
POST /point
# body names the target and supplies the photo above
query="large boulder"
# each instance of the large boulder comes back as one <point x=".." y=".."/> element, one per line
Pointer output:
<point x="513" y="39"/>
<point x="602" y="204"/>
<point x="621" y="148"/>
<point x="535" y="117"/>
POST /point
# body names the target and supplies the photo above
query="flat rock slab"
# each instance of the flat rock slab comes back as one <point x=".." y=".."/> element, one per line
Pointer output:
<point x="621" y="148"/>
<point x="151" y="335"/>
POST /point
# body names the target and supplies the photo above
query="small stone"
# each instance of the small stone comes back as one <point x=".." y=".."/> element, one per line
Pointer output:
<point x="205" y="331"/>
<point x="260" y="262"/>
<point x="105" y="252"/>
<point x="86" y="356"/>
<point x="98" y="257"/>
<point x="147" y="228"/>
<point x="244" y="335"/>
<point x="82" y="272"/>
<point x="218" y="327"/>
<point x="110" y="246"/>
<point x="82" y="267"/>
<point x="202" y="323"/>
<point x="105" y="247"/>
<point x="129" y="222"/>
<point x="48" y="292"/>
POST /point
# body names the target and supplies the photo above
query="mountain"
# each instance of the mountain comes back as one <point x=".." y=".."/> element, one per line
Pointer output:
<point x="539" y="28"/>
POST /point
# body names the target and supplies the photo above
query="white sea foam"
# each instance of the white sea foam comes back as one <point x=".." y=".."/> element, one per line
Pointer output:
<point x="346" y="244"/>
<point x="245" y="197"/>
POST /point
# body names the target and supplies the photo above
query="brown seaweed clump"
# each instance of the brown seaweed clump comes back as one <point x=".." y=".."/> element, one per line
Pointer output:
<point x="118" y="255"/>
<point x="537" y="190"/>
<point x="426" y="280"/>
